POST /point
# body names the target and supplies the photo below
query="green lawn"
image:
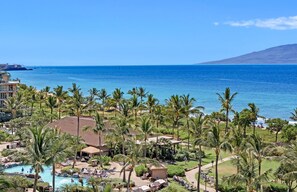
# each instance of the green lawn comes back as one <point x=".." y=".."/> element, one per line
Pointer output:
<point x="227" y="168"/>
<point x="187" y="164"/>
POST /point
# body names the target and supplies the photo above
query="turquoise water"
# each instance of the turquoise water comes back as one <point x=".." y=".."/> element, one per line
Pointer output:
<point x="273" y="88"/>
<point x="46" y="175"/>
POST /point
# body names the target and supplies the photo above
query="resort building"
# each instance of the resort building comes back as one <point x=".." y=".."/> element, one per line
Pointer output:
<point x="69" y="125"/>
<point x="8" y="88"/>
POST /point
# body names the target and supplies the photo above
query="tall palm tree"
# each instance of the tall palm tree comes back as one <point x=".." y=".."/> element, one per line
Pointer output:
<point x="258" y="149"/>
<point x="103" y="96"/>
<point x="135" y="104"/>
<point x="245" y="120"/>
<point x="117" y="96"/>
<point x="238" y="143"/>
<point x="93" y="94"/>
<point x="189" y="110"/>
<point x="131" y="159"/>
<point x="98" y="129"/>
<point x="142" y="93"/>
<point x="247" y="174"/>
<point x="197" y="130"/>
<point x="78" y="105"/>
<point x="151" y="103"/>
<point x="145" y="128"/>
<point x="133" y="91"/>
<point x="122" y="126"/>
<point x="51" y="103"/>
<point x="254" y="115"/>
<point x="226" y="100"/>
<point x="13" y="105"/>
<point x="61" y="96"/>
<point x="38" y="149"/>
<point x="176" y="111"/>
<point x="218" y="143"/>
<point x="158" y="115"/>
<point x="61" y="148"/>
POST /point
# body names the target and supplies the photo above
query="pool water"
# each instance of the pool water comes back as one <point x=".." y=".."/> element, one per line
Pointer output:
<point x="46" y="175"/>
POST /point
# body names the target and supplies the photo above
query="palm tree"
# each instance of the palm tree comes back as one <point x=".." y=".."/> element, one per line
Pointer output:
<point x="117" y="96"/>
<point x="258" y="148"/>
<point x="51" y="103"/>
<point x="151" y="103"/>
<point x="245" y="120"/>
<point x="218" y="144"/>
<point x="176" y="111"/>
<point x="145" y="128"/>
<point x="103" y="96"/>
<point x="238" y="143"/>
<point x="77" y="105"/>
<point x="122" y="126"/>
<point x="287" y="171"/>
<point x="294" y="115"/>
<point x="61" y="96"/>
<point x="142" y="93"/>
<point x="133" y="91"/>
<point x="132" y="159"/>
<point x="197" y="130"/>
<point x="158" y="115"/>
<point x="61" y="148"/>
<point x="189" y="110"/>
<point x="254" y="115"/>
<point x="38" y="149"/>
<point x="93" y="94"/>
<point x="135" y="106"/>
<point x="248" y="172"/>
<point x="13" y="105"/>
<point x="226" y="100"/>
<point x="276" y="125"/>
<point x="98" y="129"/>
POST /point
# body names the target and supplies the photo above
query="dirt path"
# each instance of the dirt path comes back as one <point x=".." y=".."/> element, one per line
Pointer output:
<point x="190" y="175"/>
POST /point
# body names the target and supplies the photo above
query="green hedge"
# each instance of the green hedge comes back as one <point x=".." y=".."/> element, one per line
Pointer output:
<point x="175" y="170"/>
<point x="140" y="170"/>
<point x="227" y="188"/>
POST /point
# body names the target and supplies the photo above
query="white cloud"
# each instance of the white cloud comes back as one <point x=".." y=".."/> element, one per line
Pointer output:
<point x="280" y="23"/>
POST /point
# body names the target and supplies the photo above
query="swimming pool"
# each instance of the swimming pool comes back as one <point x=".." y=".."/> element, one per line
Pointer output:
<point x="46" y="175"/>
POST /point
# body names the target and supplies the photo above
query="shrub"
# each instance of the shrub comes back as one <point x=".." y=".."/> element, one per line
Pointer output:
<point x="102" y="160"/>
<point x="275" y="151"/>
<point x="69" y="170"/>
<point x="107" y="188"/>
<point x="175" y="170"/>
<point x="140" y="170"/>
<point x="7" y="152"/>
<point x="181" y="155"/>
<point x="275" y="187"/>
<point x="228" y="188"/>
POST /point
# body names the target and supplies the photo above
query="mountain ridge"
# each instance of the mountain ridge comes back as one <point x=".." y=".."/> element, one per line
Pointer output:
<point x="283" y="54"/>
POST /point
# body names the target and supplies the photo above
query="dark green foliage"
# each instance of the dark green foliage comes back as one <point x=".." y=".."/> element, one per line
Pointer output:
<point x="275" y="187"/>
<point x="7" y="152"/>
<point x="175" y="170"/>
<point x="140" y="170"/>
<point x="107" y="188"/>
<point x="228" y="188"/>
<point x="181" y="155"/>
<point x="289" y="133"/>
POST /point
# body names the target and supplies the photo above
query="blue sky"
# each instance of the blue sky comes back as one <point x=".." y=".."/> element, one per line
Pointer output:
<point x="141" y="32"/>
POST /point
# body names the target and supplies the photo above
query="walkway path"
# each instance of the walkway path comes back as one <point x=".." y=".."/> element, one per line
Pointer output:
<point x="190" y="175"/>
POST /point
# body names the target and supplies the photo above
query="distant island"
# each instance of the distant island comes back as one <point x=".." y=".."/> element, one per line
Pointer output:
<point x="12" y="67"/>
<point x="285" y="54"/>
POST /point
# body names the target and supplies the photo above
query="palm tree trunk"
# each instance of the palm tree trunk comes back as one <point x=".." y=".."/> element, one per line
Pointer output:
<point x="244" y="131"/>
<point x="99" y="138"/>
<point x="51" y="114"/>
<point x="77" y="141"/>
<point x="199" y="169"/>
<point x="217" y="173"/>
<point x="145" y="146"/>
<point x="32" y="105"/>
<point x="54" y="176"/>
<point x="35" y="181"/>
<point x="276" y="135"/>
<point x="129" y="178"/>
<point x="59" y="112"/>
<point x="227" y="121"/>
<point x="123" y="151"/>
<point x="188" y="127"/>
<point x="254" y="128"/>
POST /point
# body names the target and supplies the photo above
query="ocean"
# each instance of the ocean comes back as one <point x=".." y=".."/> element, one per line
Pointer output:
<point x="273" y="88"/>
